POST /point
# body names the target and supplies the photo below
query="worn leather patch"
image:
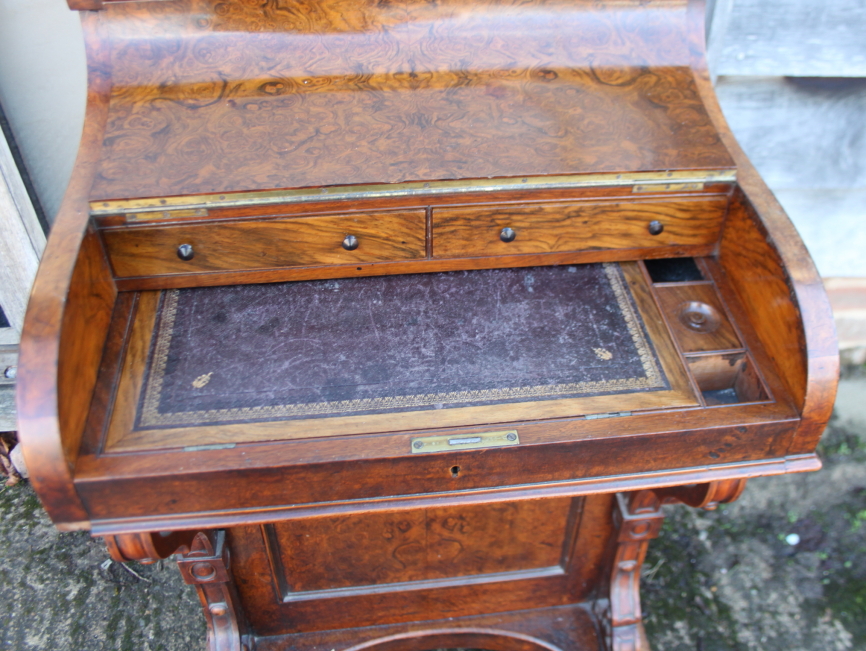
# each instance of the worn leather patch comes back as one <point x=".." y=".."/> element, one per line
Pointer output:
<point x="355" y="346"/>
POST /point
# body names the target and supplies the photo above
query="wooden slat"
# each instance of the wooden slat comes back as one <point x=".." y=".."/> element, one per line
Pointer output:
<point x="799" y="38"/>
<point x="848" y="298"/>
<point x="21" y="240"/>
<point x="800" y="133"/>
<point x="831" y="223"/>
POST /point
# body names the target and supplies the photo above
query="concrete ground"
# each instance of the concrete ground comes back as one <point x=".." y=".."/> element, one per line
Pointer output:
<point x="728" y="580"/>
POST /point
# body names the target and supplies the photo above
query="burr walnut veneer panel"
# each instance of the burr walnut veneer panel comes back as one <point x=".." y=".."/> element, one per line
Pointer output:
<point x="545" y="228"/>
<point x="234" y="96"/>
<point x="311" y="241"/>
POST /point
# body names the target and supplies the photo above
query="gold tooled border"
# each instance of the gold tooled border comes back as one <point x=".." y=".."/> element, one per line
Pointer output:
<point x="150" y="416"/>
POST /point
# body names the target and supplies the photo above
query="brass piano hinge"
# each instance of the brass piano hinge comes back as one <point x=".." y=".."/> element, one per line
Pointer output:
<point x="213" y="446"/>
<point x="667" y="181"/>
<point x="668" y="187"/>
<point x="166" y="214"/>
<point x="616" y="414"/>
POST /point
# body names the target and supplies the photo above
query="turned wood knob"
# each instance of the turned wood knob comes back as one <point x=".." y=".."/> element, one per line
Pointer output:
<point x="185" y="252"/>
<point x="350" y="242"/>
<point x="507" y="234"/>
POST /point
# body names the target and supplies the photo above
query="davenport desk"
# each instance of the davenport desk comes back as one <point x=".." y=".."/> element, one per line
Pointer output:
<point x="399" y="321"/>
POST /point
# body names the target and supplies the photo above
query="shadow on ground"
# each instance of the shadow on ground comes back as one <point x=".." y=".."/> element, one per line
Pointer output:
<point x="727" y="580"/>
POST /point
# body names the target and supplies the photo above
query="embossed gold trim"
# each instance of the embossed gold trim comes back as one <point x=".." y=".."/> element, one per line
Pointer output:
<point x="419" y="188"/>
<point x="151" y="417"/>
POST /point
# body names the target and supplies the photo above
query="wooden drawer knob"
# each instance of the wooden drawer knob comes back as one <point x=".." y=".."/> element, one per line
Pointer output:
<point x="185" y="252"/>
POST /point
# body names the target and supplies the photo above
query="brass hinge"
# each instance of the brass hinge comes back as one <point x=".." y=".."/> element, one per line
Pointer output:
<point x="616" y="414"/>
<point x="166" y="214"/>
<point x="668" y="187"/>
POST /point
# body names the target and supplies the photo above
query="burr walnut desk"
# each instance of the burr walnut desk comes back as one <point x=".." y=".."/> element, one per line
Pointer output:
<point x="399" y="321"/>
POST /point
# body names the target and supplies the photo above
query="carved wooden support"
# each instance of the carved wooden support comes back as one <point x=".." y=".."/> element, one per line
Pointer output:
<point x="148" y="547"/>
<point x="639" y="519"/>
<point x="637" y="526"/>
<point x="207" y="566"/>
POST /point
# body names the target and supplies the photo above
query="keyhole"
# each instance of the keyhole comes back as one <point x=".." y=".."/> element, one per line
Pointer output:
<point x="455" y="471"/>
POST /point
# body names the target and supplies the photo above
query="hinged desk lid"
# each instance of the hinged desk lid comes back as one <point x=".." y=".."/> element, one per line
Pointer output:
<point x="224" y="96"/>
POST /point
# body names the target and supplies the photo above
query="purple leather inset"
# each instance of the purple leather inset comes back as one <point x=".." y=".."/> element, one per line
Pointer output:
<point x="394" y="343"/>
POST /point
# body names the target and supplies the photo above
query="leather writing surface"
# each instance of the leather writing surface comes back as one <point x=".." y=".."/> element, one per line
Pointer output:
<point x="394" y="343"/>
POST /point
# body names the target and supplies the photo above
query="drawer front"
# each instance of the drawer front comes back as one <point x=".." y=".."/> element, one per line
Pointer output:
<point x="549" y="228"/>
<point x="308" y="241"/>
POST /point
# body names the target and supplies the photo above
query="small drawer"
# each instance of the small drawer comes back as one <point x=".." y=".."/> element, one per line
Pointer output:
<point x="727" y="378"/>
<point x="697" y="317"/>
<point x="549" y="228"/>
<point x="265" y="244"/>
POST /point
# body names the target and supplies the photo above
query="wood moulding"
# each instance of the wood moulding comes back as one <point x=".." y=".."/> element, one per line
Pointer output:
<point x="205" y="562"/>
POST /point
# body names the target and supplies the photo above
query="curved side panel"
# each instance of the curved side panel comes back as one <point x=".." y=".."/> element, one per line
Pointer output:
<point x="774" y="275"/>
<point x="67" y="318"/>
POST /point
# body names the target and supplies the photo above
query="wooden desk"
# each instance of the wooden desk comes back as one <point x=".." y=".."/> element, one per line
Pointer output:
<point x="400" y="322"/>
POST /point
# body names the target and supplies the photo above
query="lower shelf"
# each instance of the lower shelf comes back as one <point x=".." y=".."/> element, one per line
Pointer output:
<point x="572" y="627"/>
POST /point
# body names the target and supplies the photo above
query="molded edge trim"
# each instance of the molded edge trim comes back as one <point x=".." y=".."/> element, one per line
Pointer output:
<point x="570" y="488"/>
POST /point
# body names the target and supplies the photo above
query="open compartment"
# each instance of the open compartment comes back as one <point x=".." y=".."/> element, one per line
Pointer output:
<point x="727" y="378"/>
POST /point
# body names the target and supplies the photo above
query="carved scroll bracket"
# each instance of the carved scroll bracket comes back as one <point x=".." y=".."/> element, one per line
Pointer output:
<point x="207" y="566"/>
<point x="204" y="561"/>
<point x="639" y="519"/>
<point x="148" y="547"/>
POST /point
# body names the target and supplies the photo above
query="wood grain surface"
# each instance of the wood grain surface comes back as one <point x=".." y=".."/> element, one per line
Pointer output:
<point x="677" y="299"/>
<point x="312" y="241"/>
<point x="546" y="228"/>
<point x="578" y="556"/>
<point x="214" y="96"/>
<point x="421" y="545"/>
<point x="218" y="96"/>
<point x="557" y="628"/>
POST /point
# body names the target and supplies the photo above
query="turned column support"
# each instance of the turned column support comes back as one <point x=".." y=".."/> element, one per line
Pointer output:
<point x="639" y="519"/>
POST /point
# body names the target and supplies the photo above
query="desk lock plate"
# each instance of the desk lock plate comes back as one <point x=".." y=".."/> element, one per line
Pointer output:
<point x="465" y="442"/>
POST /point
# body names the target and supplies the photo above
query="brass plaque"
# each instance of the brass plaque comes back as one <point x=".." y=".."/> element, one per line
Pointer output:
<point x="465" y="442"/>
